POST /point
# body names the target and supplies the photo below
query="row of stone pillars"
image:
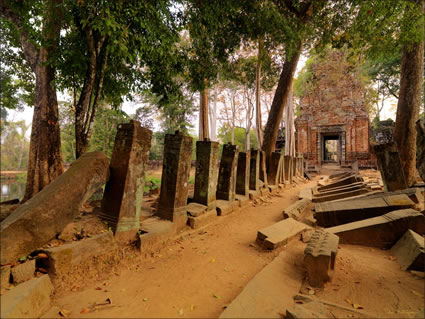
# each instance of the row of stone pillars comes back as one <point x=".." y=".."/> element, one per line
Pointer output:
<point x="236" y="173"/>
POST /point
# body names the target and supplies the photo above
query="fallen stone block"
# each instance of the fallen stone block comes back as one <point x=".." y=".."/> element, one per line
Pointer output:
<point x="155" y="234"/>
<point x="319" y="257"/>
<point x="296" y="209"/>
<point x="306" y="193"/>
<point x="311" y="309"/>
<point x="330" y="214"/>
<point x="202" y="220"/>
<point x="69" y="263"/>
<point x="264" y="191"/>
<point x="339" y="195"/>
<point x="23" y="272"/>
<point x="341" y="182"/>
<point x="5" y="277"/>
<point x="382" y="231"/>
<point x="39" y="219"/>
<point x="27" y="300"/>
<point x="409" y="251"/>
<point x="273" y="188"/>
<point x="254" y="194"/>
<point x="280" y="233"/>
<point x="338" y="189"/>
<point x="53" y="312"/>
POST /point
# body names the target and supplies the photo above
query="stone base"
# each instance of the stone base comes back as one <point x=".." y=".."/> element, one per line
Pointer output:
<point x="196" y="209"/>
<point x="27" y="300"/>
<point x="254" y="194"/>
<point x="409" y="251"/>
<point x="202" y="220"/>
<point x="225" y="207"/>
<point x="156" y="233"/>
<point x="68" y="263"/>
<point x="264" y="191"/>
<point x="242" y="200"/>
<point x="273" y="188"/>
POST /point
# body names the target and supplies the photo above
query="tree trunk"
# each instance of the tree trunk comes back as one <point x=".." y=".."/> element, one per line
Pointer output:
<point x="411" y="77"/>
<point x="204" y="132"/>
<point x="213" y="117"/>
<point x="258" y="123"/>
<point x="45" y="156"/>
<point x="280" y="97"/>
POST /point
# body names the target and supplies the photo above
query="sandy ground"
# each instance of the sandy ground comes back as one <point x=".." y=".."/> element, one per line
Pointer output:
<point x="198" y="275"/>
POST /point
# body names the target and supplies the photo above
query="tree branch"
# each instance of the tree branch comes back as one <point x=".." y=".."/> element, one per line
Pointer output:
<point x="30" y="50"/>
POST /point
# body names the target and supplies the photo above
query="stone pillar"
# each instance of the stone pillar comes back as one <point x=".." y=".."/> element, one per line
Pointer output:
<point x="263" y="170"/>
<point x="226" y="185"/>
<point x="282" y="170"/>
<point x="175" y="178"/>
<point x="389" y="164"/>
<point x="254" y="168"/>
<point x="287" y="168"/>
<point x="293" y="166"/>
<point x="206" y="173"/>
<point x="122" y="199"/>
<point x="420" y="148"/>
<point x="273" y="169"/>
<point x="242" y="176"/>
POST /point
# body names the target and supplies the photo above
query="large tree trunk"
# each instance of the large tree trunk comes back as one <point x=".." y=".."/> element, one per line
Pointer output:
<point x="45" y="157"/>
<point x="203" y="115"/>
<point x="280" y="97"/>
<point x="411" y="77"/>
<point x="258" y="120"/>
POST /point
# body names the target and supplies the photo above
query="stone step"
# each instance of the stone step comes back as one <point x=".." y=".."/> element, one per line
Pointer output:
<point x="280" y="233"/>
<point x="382" y="231"/>
<point x="270" y="292"/>
<point x="409" y="251"/>
<point x="27" y="300"/>
<point x="330" y="214"/>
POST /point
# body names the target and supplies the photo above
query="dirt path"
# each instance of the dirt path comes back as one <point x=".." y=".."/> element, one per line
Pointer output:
<point x="195" y="276"/>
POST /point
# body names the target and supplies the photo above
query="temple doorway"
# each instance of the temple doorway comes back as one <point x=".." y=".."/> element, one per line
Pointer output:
<point x="331" y="149"/>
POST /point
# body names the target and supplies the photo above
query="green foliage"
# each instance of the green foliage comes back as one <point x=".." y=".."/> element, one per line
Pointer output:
<point x="14" y="145"/>
<point x="225" y="136"/>
<point x="105" y="129"/>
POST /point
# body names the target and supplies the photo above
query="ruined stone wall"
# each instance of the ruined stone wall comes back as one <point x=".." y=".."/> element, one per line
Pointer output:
<point x="333" y="104"/>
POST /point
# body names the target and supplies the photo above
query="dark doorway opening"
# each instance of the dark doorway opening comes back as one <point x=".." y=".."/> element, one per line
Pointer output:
<point x="331" y="149"/>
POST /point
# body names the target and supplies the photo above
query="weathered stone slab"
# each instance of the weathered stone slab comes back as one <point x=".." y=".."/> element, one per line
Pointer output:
<point x="339" y="195"/>
<point x="155" y="234"/>
<point x="319" y="257"/>
<point x="306" y="193"/>
<point x="23" y="272"/>
<point x="69" y="262"/>
<point x="122" y="200"/>
<point x="420" y="147"/>
<point x="336" y="213"/>
<point x="271" y="291"/>
<point x="202" y="220"/>
<point x="195" y="209"/>
<point x="206" y="173"/>
<point x="311" y="309"/>
<point x="280" y="233"/>
<point x="5" y="277"/>
<point x="338" y="189"/>
<point x="226" y="186"/>
<point x="175" y="178"/>
<point x="225" y="207"/>
<point x="390" y="166"/>
<point x="296" y="209"/>
<point x="382" y="231"/>
<point x="409" y="251"/>
<point x="242" y="176"/>
<point x="263" y="168"/>
<point x="27" y="300"/>
<point x="254" y="170"/>
<point x="42" y="217"/>
<point x="242" y="200"/>
<point x="341" y="182"/>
